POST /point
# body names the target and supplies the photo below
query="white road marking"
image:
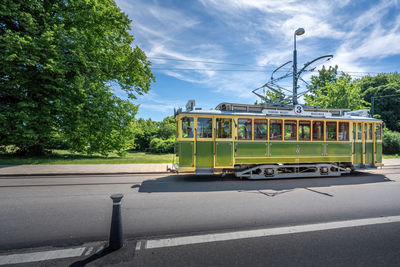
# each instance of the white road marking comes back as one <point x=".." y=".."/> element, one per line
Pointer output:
<point x="197" y="239"/>
<point x="138" y="244"/>
<point x="41" y="256"/>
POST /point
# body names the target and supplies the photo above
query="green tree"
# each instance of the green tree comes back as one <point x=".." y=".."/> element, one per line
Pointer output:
<point x="387" y="108"/>
<point x="335" y="92"/>
<point x="167" y="128"/>
<point x="61" y="62"/>
<point x="271" y="96"/>
<point x="325" y="77"/>
<point x="144" y="132"/>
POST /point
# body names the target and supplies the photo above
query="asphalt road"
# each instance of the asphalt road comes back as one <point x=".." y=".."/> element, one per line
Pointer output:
<point x="67" y="210"/>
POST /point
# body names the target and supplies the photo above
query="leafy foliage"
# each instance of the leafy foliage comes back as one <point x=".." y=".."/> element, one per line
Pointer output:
<point x="147" y="130"/>
<point x="61" y="63"/>
<point x="330" y="91"/>
<point x="158" y="145"/>
<point x="387" y="108"/>
<point x="391" y="142"/>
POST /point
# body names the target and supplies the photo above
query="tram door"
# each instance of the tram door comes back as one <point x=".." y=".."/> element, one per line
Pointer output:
<point x="223" y="143"/>
<point x="358" y="144"/>
<point x="368" y="144"/>
<point x="204" y="142"/>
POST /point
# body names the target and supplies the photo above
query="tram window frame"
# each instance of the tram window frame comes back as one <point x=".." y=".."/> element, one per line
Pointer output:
<point x="200" y="128"/>
<point x="274" y="122"/>
<point x="261" y="122"/>
<point x="329" y="125"/>
<point x="188" y="126"/>
<point x="217" y="125"/>
<point x="307" y="123"/>
<point x="290" y="123"/>
<point x="344" y="135"/>
<point x="249" y="131"/>
<point x="359" y="131"/>
<point x="322" y="131"/>
<point x="378" y="131"/>
<point x="369" y="132"/>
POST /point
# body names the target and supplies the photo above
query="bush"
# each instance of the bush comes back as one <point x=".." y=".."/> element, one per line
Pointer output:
<point x="158" y="145"/>
<point x="391" y="142"/>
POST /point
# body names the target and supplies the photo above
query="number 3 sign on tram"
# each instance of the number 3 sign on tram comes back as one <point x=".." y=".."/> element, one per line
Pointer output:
<point x="298" y="109"/>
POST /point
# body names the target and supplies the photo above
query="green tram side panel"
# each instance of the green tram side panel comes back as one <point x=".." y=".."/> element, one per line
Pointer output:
<point x="369" y="150"/>
<point x="282" y="149"/>
<point x="223" y="153"/>
<point x="204" y="154"/>
<point x="300" y="149"/>
<point x="186" y="154"/>
<point x="311" y="149"/>
<point x="291" y="160"/>
<point x="358" y="152"/>
<point x="251" y="149"/>
<point x="338" y="149"/>
<point x="378" y="147"/>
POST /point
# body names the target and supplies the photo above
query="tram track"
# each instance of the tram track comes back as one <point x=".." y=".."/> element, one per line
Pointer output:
<point x="61" y="185"/>
<point x="74" y="180"/>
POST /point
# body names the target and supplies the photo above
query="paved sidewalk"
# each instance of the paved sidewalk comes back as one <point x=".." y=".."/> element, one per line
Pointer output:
<point x="389" y="162"/>
<point x="9" y="170"/>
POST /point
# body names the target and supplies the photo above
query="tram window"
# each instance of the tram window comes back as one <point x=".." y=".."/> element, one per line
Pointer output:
<point x="304" y="130"/>
<point x="290" y="130"/>
<point x="318" y="130"/>
<point x="187" y="127"/>
<point x="343" y="131"/>
<point x="331" y="128"/>
<point x="275" y="129"/>
<point x="204" y="127"/>
<point x="359" y="131"/>
<point x="224" y="128"/>
<point x="369" y="131"/>
<point x="354" y="130"/>
<point x="244" y="129"/>
<point x="378" y="132"/>
<point x="260" y="129"/>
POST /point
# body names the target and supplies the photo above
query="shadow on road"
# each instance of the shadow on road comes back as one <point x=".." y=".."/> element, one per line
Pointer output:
<point x="193" y="183"/>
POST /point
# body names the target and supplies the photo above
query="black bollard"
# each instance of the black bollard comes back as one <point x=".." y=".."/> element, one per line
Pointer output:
<point x="116" y="240"/>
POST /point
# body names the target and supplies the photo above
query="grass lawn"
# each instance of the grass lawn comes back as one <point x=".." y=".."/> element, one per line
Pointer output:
<point x="66" y="157"/>
<point x="395" y="156"/>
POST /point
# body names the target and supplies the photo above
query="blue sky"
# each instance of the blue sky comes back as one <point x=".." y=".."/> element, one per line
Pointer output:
<point x="256" y="35"/>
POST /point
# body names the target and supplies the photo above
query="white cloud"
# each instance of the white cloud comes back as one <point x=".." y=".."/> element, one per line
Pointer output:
<point x="259" y="32"/>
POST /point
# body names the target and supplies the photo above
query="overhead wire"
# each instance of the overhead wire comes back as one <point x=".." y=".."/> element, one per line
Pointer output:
<point x="361" y="73"/>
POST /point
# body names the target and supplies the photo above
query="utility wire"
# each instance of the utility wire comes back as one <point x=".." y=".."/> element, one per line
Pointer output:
<point x="207" y="62"/>
<point x="204" y="61"/>
<point x="196" y="69"/>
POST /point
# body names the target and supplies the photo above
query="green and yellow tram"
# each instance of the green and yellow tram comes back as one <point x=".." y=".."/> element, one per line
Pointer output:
<point x="259" y="142"/>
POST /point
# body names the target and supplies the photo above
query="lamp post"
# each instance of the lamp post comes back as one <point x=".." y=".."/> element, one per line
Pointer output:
<point x="299" y="31"/>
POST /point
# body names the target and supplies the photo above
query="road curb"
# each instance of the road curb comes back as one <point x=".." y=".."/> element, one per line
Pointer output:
<point x="66" y="174"/>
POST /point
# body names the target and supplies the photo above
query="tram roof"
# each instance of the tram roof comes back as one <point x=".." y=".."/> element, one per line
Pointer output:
<point x="261" y="115"/>
<point x="263" y="112"/>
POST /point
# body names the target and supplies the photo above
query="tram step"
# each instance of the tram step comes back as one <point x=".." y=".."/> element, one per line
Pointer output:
<point x="204" y="171"/>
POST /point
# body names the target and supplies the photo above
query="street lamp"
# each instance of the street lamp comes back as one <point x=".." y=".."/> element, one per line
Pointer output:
<point x="299" y="31"/>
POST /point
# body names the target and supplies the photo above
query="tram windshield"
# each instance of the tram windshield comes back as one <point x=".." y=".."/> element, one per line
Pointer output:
<point x="187" y="127"/>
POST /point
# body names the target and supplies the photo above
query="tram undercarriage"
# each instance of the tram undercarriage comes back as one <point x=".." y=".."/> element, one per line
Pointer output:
<point x="292" y="171"/>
